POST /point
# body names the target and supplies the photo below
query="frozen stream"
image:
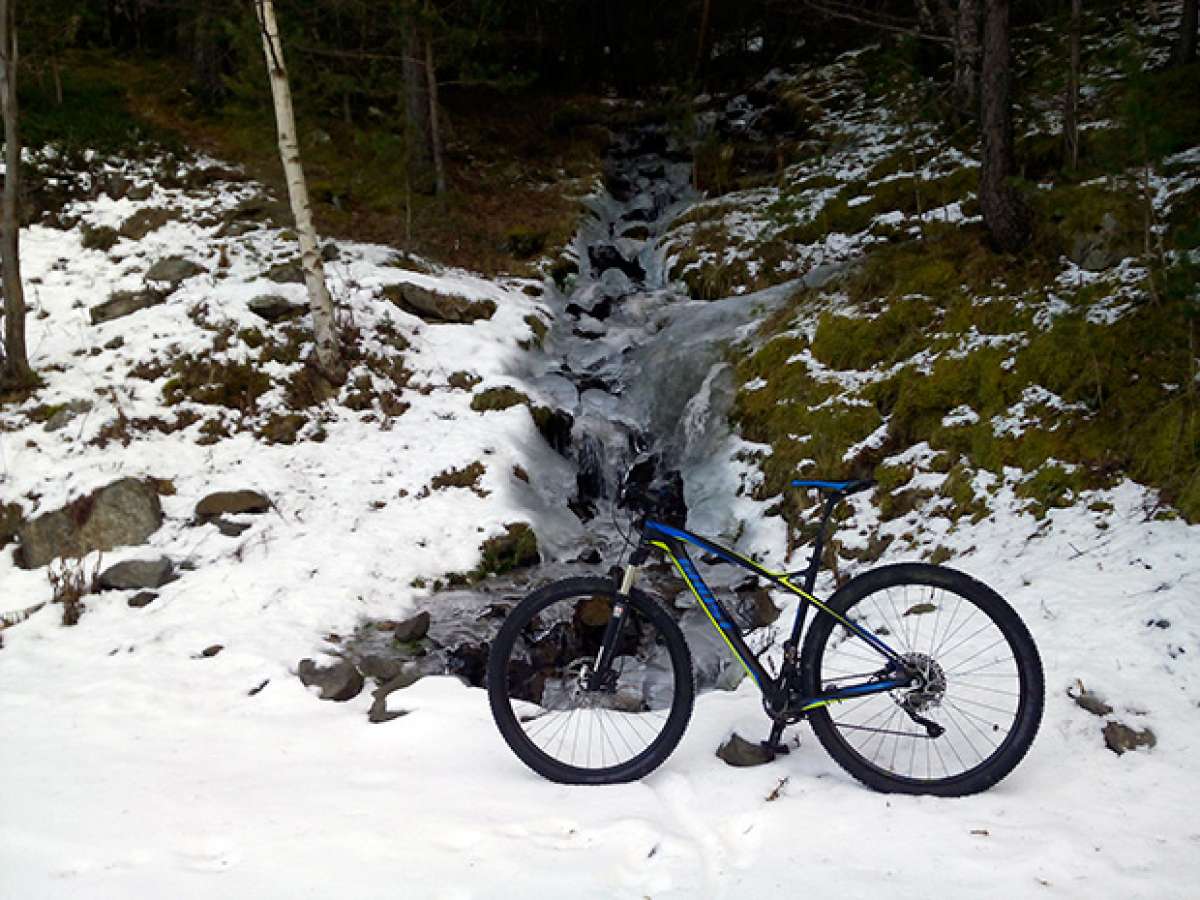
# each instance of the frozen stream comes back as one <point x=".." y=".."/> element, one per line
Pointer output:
<point x="638" y="370"/>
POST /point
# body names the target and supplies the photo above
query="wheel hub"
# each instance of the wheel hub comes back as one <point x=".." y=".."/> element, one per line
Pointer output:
<point x="929" y="682"/>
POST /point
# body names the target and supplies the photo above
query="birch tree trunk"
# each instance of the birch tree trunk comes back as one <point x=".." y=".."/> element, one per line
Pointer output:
<point x="16" y="357"/>
<point x="329" y="356"/>
<point x="1004" y="215"/>
<point x="1071" y="98"/>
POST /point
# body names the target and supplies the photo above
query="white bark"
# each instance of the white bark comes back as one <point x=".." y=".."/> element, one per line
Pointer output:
<point x="319" y="301"/>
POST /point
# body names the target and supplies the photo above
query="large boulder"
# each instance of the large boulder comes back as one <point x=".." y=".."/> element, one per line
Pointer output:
<point x="275" y="308"/>
<point x="286" y="273"/>
<point x="435" y="306"/>
<point x="173" y="270"/>
<point x="340" y="681"/>
<point x="1104" y="245"/>
<point x="124" y="303"/>
<point x="137" y="573"/>
<point x="123" y="513"/>
<point x="144" y="221"/>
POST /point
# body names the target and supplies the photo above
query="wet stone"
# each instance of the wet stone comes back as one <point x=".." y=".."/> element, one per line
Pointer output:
<point x="739" y="752"/>
<point x="413" y="629"/>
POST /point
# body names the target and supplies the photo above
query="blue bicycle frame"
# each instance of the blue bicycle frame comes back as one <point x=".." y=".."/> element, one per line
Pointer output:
<point x="776" y="690"/>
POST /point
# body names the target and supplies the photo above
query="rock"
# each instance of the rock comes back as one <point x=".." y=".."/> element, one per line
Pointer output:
<point x="275" y="308"/>
<point x="137" y="573"/>
<point x="144" y="221"/>
<point x="555" y="426"/>
<point x="1105" y="246"/>
<point x="231" y="503"/>
<point x="173" y="270"/>
<point x="434" y="306"/>
<point x="607" y="256"/>
<point x="381" y="668"/>
<point x="119" y="514"/>
<point x="64" y="414"/>
<point x="100" y="237"/>
<point x="590" y="557"/>
<point x="330" y="252"/>
<point x="141" y="192"/>
<point x="230" y="528"/>
<point x="1119" y="738"/>
<point x="212" y="650"/>
<point x="285" y="273"/>
<point x="379" y="711"/>
<point x="124" y="303"/>
<point x="11" y="518"/>
<point x="142" y="598"/>
<point x="255" y="209"/>
<point x="413" y="629"/>
<point x="116" y="186"/>
<point x="737" y="751"/>
<point x="1092" y="703"/>
<point x="339" y="681"/>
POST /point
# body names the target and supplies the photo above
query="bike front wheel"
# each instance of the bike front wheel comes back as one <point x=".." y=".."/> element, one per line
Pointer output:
<point x="568" y="726"/>
<point x="982" y="682"/>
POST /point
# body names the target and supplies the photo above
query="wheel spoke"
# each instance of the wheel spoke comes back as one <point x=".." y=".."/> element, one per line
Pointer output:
<point x="956" y="657"/>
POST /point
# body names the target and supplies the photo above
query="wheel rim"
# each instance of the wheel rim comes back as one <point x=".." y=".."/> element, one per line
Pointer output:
<point x="971" y="684"/>
<point x="560" y="716"/>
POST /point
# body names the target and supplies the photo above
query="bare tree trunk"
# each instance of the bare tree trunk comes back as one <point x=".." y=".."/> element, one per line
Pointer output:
<point x="1004" y="214"/>
<point x="966" y="60"/>
<point x="1185" y="44"/>
<point x="16" y="356"/>
<point x="1071" y="98"/>
<point x="435" y="131"/>
<point x="329" y="356"/>
<point x="1152" y="11"/>
<point x="421" y="175"/>
<point x="702" y="45"/>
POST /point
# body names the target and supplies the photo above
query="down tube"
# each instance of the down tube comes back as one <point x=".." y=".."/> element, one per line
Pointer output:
<point x="719" y="616"/>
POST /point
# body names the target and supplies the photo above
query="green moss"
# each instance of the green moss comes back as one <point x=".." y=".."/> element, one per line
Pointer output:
<point x="524" y="243"/>
<point x="466" y="477"/>
<point x="860" y="343"/>
<point x="463" y="381"/>
<point x="516" y="548"/>
<point x="1051" y="486"/>
<point x="498" y="398"/>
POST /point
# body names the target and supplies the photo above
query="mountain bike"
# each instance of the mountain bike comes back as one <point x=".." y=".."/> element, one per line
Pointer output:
<point x="916" y="678"/>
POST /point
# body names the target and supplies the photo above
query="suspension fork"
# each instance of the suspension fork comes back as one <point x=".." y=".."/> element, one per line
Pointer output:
<point x="612" y="631"/>
<point x="620" y="611"/>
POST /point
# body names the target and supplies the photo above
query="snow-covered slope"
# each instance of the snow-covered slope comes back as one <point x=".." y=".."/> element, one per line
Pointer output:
<point x="137" y="765"/>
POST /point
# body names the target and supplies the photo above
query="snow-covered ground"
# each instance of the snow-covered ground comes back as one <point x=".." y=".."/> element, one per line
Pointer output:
<point x="136" y="766"/>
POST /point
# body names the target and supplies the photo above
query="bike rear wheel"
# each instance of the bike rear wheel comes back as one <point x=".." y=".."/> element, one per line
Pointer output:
<point x="983" y="682"/>
<point x="541" y="695"/>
